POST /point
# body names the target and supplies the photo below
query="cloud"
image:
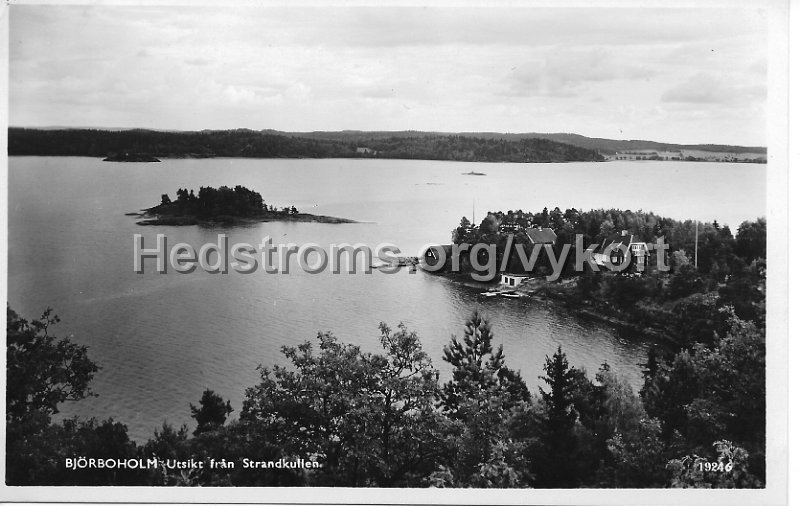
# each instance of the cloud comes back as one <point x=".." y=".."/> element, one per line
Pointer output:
<point x="565" y="72"/>
<point x="378" y="92"/>
<point x="501" y="68"/>
<point x="521" y="26"/>
<point x="705" y="88"/>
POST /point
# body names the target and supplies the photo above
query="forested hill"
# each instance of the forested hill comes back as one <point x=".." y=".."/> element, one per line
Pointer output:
<point x="604" y="146"/>
<point x="273" y="144"/>
<point x="610" y="146"/>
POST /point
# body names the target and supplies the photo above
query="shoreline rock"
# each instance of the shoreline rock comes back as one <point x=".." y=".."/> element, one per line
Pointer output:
<point x="180" y="221"/>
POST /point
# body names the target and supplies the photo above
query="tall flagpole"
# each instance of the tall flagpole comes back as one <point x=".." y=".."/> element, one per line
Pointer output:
<point x="473" y="211"/>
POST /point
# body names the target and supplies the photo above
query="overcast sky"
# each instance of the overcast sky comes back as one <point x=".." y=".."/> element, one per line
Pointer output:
<point x="690" y="76"/>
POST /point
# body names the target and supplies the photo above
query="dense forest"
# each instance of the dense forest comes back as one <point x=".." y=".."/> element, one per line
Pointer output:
<point x="271" y="144"/>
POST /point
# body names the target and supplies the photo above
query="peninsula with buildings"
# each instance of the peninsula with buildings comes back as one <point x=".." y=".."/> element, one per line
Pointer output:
<point x="706" y="270"/>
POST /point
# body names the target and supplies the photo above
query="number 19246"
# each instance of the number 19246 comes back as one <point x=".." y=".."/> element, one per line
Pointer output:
<point x="715" y="466"/>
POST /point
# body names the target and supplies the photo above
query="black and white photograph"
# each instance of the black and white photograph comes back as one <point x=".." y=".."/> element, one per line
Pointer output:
<point x="415" y="252"/>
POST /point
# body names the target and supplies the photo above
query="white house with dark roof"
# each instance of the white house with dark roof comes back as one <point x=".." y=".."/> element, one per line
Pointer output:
<point x="620" y="248"/>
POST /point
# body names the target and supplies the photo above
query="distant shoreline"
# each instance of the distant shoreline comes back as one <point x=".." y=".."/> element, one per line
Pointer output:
<point x="244" y="143"/>
<point x="200" y="157"/>
<point x="488" y="147"/>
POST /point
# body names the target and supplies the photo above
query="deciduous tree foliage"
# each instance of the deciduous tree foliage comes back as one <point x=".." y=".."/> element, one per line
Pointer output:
<point x="730" y="469"/>
<point x="714" y="393"/>
<point x="751" y="240"/>
<point x="368" y="418"/>
<point x="42" y="370"/>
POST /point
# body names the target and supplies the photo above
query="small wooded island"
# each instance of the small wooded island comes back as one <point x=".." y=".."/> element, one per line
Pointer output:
<point x="231" y="206"/>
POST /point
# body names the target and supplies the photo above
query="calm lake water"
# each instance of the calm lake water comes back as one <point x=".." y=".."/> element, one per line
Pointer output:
<point x="161" y="339"/>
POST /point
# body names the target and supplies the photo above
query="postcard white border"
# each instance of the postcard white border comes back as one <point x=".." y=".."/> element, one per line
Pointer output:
<point x="777" y="303"/>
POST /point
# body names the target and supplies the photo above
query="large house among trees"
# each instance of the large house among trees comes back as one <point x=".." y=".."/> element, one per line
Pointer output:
<point x="619" y="252"/>
<point x="544" y="236"/>
<point x="621" y="249"/>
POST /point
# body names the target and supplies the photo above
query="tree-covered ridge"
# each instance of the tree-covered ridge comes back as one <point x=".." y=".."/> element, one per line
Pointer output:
<point x="270" y="144"/>
<point x="604" y="146"/>
<point x="383" y="419"/>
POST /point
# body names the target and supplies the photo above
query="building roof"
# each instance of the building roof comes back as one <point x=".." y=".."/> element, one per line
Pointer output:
<point x="618" y="240"/>
<point x="539" y="235"/>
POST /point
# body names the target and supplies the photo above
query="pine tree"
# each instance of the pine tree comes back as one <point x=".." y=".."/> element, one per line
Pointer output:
<point x="561" y="378"/>
<point x="212" y="413"/>
<point x="553" y="460"/>
<point x="478" y="366"/>
<point x="482" y="400"/>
